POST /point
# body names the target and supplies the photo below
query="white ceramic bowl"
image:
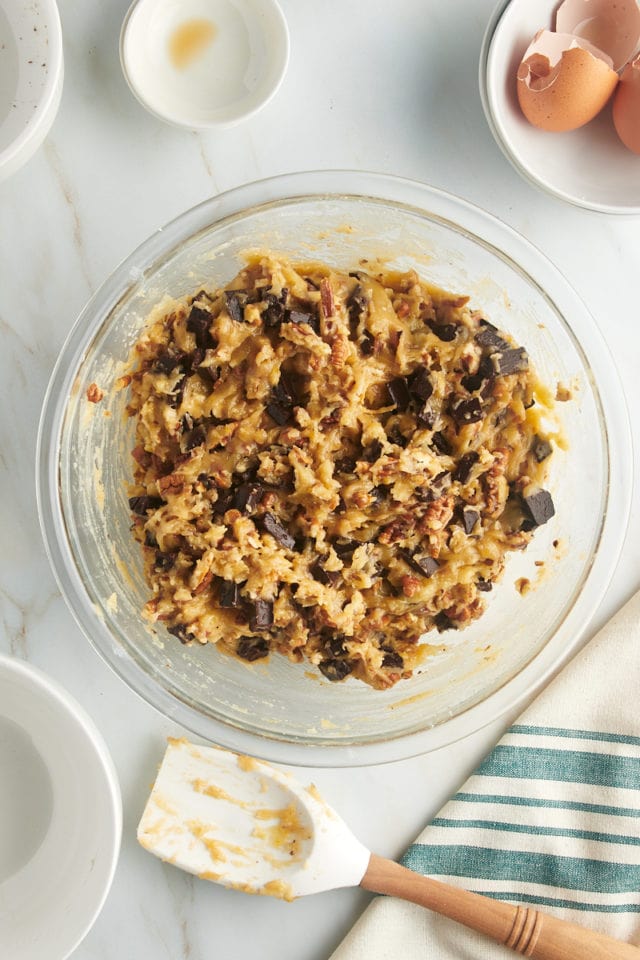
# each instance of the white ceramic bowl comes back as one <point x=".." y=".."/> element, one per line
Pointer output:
<point x="589" y="167"/>
<point x="60" y="817"/>
<point x="31" y="75"/>
<point x="204" y="63"/>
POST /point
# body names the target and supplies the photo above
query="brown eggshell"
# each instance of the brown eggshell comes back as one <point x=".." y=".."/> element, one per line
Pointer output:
<point x="626" y="107"/>
<point x="613" y="27"/>
<point x="563" y="82"/>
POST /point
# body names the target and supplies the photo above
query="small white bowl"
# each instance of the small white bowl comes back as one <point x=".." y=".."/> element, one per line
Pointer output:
<point x="204" y="63"/>
<point x="60" y="817"/>
<point x="588" y="167"/>
<point x="31" y="75"/>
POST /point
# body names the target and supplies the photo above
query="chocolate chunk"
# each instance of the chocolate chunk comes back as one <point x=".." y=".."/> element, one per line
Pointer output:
<point x="181" y="631"/>
<point x="272" y="525"/>
<point x="236" y="301"/>
<point x="395" y="435"/>
<point x="178" y="393"/>
<point x="466" y="411"/>
<point x="393" y="659"/>
<point x="199" y="323"/>
<point x="378" y="495"/>
<point x="388" y="589"/>
<point x="283" y="391"/>
<point x="367" y="344"/>
<point x="472" y="382"/>
<point x="464" y="466"/>
<point x="440" y="442"/>
<point x="399" y="392"/>
<point x="195" y="358"/>
<point x="335" y="645"/>
<point x="302" y="316"/>
<point x="426" y="417"/>
<point x="277" y="412"/>
<point x="345" y="465"/>
<point x="167" y="362"/>
<point x="489" y="338"/>
<point x="469" y="519"/>
<point x="283" y="399"/>
<point x="229" y="594"/>
<point x="252" y="648"/>
<point x="262" y="617"/>
<point x="356" y="305"/>
<point x="426" y="565"/>
<point x="274" y="312"/>
<point x="202" y="295"/>
<point x="335" y="670"/>
<point x="419" y="383"/>
<point x="443" y="331"/>
<point x="248" y="496"/>
<point x="327" y="577"/>
<point x="441" y="480"/>
<point x="538" y="509"/>
<point x="223" y="503"/>
<point x="207" y="482"/>
<point x="149" y="539"/>
<point x="209" y="375"/>
<point x="510" y="361"/>
<point x="140" y="505"/>
<point x="345" y="548"/>
<point x="541" y="448"/>
<point x="484" y="586"/>
<point x="442" y="622"/>
<point x="164" y="561"/>
<point x="195" y="438"/>
<point x="372" y="453"/>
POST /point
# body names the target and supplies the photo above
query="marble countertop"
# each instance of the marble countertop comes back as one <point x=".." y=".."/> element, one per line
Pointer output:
<point x="391" y="88"/>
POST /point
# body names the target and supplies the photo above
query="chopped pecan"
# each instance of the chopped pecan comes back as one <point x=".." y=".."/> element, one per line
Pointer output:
<point x="204" y="583"/>
<point x="339" y="351"/>
<point x="94" y="393"/>
<point x="398" y="529"/>
<point x="410" y="584"/>
<point x="326" y="298"/>
<point x="438" y="514"/>
<point x="495" y="485"/>
<point x="173" y="483"/>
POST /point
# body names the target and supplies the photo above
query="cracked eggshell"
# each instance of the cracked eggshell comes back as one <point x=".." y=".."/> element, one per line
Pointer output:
<point x="626" y="107"/>
<point x="563" y="81"/>
<point x="611" y="27"/>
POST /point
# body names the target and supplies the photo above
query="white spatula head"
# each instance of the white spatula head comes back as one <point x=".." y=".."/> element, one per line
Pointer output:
<point x="245" y="824"/>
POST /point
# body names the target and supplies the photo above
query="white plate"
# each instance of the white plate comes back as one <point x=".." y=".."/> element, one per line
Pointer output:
<point x="589" y="167"/>
<point x="60" y="817"/>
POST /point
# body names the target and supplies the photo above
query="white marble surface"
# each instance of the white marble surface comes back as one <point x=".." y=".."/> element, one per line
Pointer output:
<point x="372" y="85"/>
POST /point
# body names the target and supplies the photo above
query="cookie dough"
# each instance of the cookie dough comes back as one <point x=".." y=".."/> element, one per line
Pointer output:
<point x="330" y="466"/>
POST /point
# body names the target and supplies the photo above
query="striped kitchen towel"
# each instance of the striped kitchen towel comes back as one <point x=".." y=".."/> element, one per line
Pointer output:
<point x="551" y="817"/>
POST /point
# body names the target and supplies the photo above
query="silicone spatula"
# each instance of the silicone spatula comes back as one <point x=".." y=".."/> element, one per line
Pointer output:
<point x="247" y="825"/>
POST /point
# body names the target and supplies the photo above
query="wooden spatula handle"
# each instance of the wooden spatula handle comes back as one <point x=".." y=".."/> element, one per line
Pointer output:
<point x="528" y="932"/>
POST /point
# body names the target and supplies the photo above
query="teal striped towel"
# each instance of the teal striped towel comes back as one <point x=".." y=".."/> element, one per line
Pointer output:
<point x="551" y="817"/>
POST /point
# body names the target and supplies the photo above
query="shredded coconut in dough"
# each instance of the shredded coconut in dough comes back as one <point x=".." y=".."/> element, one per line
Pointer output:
<point x="330" y="465"/>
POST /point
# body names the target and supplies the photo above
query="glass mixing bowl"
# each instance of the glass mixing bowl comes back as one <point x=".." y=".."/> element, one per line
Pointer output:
<point x="288" y="712"/>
